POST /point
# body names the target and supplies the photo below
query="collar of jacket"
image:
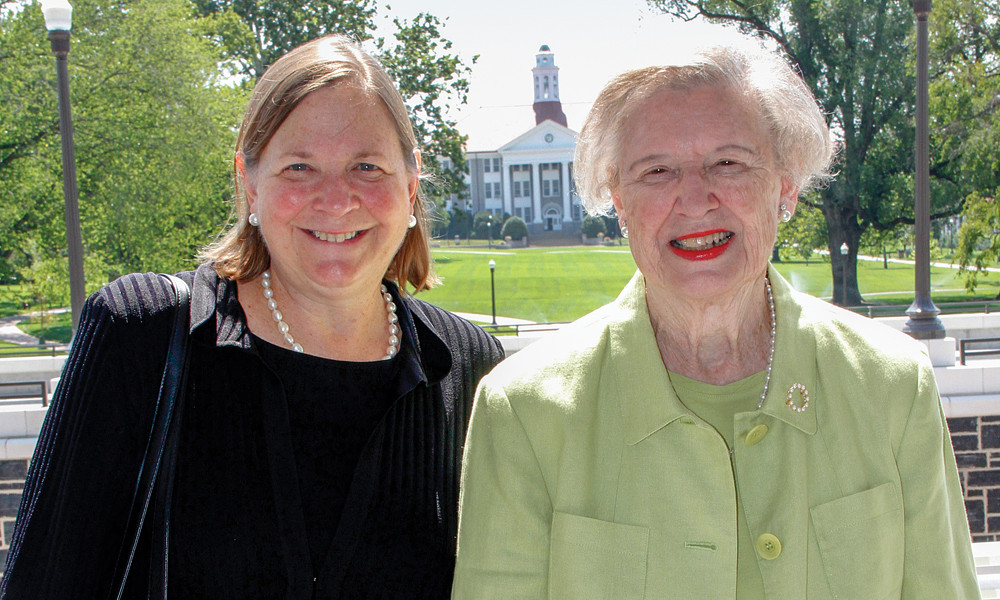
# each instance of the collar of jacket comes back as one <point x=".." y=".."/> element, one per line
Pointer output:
<point x="215" y="300"/>
<point x="645" y="394"/>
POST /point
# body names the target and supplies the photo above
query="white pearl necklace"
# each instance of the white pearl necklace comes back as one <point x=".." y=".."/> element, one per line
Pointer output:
<point x="774" y="331"/>
<point x="272" y="305"/>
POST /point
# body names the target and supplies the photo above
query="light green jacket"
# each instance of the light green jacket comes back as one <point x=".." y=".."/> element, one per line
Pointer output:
<point x="585" y="477"/>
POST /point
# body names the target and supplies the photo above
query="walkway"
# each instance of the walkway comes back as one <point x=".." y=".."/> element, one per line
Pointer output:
<point x="489" y="319"/>
<point x="10" y="332"/>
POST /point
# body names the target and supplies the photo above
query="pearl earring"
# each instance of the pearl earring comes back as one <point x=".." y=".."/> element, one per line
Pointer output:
<point x="411" y="222"/>
<point x="254" y="220"/>
<point x="623" y="227"/>
<point x="785" y="214"/>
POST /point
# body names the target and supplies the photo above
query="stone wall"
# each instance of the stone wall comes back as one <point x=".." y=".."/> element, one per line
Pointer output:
<point x="976" y="441"/>
<point x="12" y="473"/>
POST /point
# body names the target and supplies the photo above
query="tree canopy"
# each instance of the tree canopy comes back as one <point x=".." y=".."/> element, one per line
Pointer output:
<point x="858" y="58"/>
<point x="431" y="78"/>
<point x="153" y="127"/>
<point x="157" y="92"/>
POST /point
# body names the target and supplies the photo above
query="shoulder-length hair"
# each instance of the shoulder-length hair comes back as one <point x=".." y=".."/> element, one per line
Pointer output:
<point x="240" y="253"/>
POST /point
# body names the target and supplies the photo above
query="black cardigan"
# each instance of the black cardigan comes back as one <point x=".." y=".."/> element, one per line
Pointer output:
<point x="237" y="529"/>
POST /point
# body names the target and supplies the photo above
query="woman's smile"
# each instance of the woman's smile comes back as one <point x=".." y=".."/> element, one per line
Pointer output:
<point x="702" y="246"/>
<point x="336" y="238"/>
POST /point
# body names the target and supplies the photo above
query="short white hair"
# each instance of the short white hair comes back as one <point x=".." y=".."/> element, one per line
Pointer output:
<point x="803" y="146"/>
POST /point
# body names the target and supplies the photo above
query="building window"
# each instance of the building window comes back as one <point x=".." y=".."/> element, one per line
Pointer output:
<point x="496" y="165"/>
<point x="486" y="166"/>
<point x="546" y="187"/>
<point x="496" y="190"/>
<point x="489" y="191"/>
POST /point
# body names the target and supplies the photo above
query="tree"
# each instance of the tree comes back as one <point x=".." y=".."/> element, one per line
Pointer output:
<point x="979" y="238"/>
<point x="855" y="56"/>
<point x="481" y="225"/>
<point x="431" y="78"/>
<point x="801" y="236"/>
<point x="515" y="228"/>
<point x="965" y="95"/>
<point x="592" y="226"/>
<point x="461" y="222"/>
<point x="154" y="128"/>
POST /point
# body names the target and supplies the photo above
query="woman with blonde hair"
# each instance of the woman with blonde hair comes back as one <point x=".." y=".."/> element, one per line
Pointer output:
<point x="322" y="417"/>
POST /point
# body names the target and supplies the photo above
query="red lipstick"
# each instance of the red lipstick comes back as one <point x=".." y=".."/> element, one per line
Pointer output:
<point x="705" y="253"/>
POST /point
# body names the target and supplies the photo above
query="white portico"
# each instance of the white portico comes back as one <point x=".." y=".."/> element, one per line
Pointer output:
<point x="531" y="176"/>
<point x="536" y="176"/>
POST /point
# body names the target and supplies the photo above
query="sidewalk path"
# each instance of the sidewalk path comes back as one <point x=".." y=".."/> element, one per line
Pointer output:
<point x="910" y="261"/>
<point x="10" y="332"/>
<point x="489" y="319"/>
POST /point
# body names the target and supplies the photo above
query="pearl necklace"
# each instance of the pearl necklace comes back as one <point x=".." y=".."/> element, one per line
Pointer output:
<point x="390" y="308"/>
<point x="774" y="331"/>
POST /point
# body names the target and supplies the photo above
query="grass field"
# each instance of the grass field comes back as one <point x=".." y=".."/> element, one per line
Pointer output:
<point x="562" y="284"/>
<point x="549" y="285"/>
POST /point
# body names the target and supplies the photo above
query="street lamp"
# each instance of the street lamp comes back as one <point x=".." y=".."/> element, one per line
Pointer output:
<point x="923" y="322"/>
<point x="844" y="251"/>
<point x="59" y="20"/>
<point x="489" y="226"/>
<point x="493" y="290"/>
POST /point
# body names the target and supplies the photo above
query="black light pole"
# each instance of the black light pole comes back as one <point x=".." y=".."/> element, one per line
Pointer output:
<point x="844" y="251"/>
<point x="493" y="290"/>
<point x="59" y="20"/>
<point x="923" y="322"/>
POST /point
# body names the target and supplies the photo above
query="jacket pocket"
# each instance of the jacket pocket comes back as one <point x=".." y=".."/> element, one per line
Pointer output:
<point x="860" y="539"/>
<point x="590" y="558"/>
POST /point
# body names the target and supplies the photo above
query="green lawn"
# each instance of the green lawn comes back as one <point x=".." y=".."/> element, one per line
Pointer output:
<point x="539" y="284"/>
<point x="55" y="327"/>
<point x="561" y="284"/>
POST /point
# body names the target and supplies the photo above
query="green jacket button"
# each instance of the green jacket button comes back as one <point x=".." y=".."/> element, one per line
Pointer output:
<point x="756" y="434"/>
<point x="768" y="546"/>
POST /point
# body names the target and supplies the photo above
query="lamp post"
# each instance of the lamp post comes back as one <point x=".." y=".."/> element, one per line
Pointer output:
<point x="489" y="227"/>
<point x="923" y="322"/>
<point x="59" y="20"/>
<point x="844" y="251"/>
<point x="493" y="290"/>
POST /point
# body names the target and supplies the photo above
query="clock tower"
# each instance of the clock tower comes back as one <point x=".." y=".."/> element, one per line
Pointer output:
<point x="546" y="74"/>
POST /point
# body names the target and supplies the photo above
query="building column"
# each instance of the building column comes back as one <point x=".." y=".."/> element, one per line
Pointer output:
<point x="536" y="192"/>
<point x="567" y="201"/>
<point x="508" y="201"/>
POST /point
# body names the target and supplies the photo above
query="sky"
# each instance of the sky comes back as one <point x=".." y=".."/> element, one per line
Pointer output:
<point x="592" y="41"/>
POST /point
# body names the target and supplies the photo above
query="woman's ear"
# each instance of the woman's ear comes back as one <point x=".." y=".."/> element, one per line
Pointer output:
<point x="789" y="194"/>
<point x="247" y="182"/>
<point x="414" y="183"/>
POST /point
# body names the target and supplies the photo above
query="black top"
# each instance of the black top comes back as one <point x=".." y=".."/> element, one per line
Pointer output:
<point x="334" y="407"/>
<point x="239" y="526"/>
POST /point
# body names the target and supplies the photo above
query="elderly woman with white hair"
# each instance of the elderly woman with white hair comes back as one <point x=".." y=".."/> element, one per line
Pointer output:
<point x="712" y="433"/>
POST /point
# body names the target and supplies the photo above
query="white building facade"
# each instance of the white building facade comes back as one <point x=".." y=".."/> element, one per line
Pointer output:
<point x="531" y="176"/>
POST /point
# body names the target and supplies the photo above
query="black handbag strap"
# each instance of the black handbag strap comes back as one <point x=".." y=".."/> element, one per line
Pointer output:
<point x="162" y="440"/>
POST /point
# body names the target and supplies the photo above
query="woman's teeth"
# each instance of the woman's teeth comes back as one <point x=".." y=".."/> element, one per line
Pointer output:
<point x="334" y="237"/>
<point x="704" y="241"/>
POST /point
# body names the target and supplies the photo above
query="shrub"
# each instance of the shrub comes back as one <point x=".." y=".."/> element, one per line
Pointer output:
<point x="480" y="225"/>
<point x="515" y="229"/>
<point x="592" y="226"/>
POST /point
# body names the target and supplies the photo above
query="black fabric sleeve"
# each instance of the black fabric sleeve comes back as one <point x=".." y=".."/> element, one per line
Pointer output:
<point x="82" y="476"/>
